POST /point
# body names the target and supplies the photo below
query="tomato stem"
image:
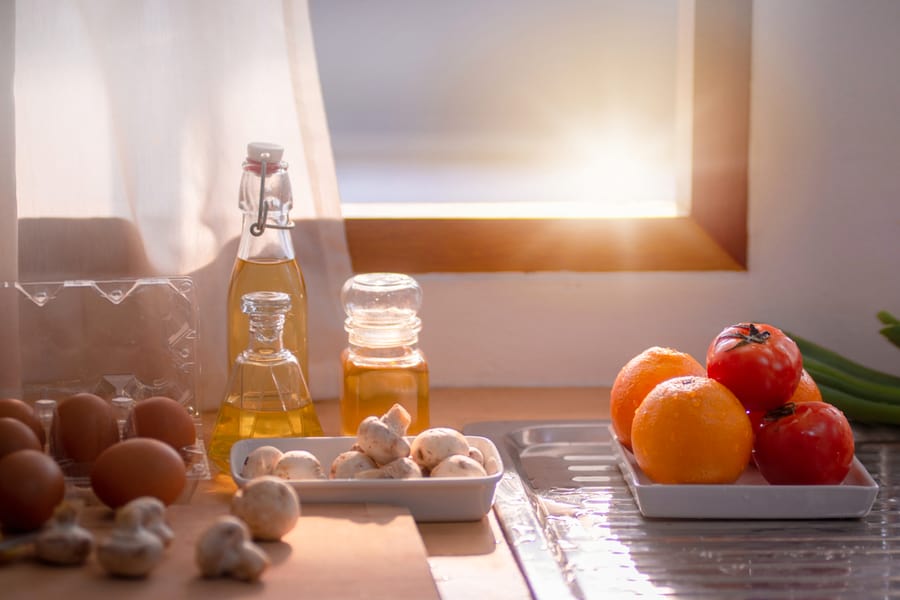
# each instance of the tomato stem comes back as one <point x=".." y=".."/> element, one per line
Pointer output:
<point x="753" y="336"/>
<point x="785" y="410"/>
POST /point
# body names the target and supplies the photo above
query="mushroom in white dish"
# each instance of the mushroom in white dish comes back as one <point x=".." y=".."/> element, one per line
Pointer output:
<point x="382" y="439"/>
<point x="401" y="468"/>
<point x="434" y="445"/>
<point x="458" y="465"/>
<point x="226" y="550"/>
<point x="268" y="505"/>
<point x="260" y="461"/>
<point x="63" y="541"/>
<point x="298" y="464"/>
<point x="347" y="464"/>
<point x="131" y="550"/>
<point x="476" y="455"/>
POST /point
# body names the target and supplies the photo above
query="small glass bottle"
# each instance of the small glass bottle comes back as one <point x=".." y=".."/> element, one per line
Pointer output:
<point x="382" y="363"/>
<point x="265" y="258"/>
<point x="267" y="394"/>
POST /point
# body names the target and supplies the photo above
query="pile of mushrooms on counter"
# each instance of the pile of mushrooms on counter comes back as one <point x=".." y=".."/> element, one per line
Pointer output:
<point x="264" y="510"/>
<point x="133" y="548"/>
<point x="381" y="451"/>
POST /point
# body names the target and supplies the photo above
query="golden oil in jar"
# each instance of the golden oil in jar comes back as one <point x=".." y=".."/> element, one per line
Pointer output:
<point x="267" y="394"/>
<point x="234" y="423"/>
<point x="371" y="388"/>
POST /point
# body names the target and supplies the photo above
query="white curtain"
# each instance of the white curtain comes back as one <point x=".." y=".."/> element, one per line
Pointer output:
<point x="138" y="113"/>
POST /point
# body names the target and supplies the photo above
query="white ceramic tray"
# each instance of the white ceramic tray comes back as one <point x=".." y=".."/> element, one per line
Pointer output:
<point x="428" y="499"/>
<point x="750" y="497"/>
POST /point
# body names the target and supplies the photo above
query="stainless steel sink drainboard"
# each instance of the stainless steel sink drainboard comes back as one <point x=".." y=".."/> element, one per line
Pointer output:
<point x="577" y="533"/>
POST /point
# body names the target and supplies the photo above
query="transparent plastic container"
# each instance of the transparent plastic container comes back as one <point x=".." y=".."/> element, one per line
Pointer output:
<point x="123" y="340"/>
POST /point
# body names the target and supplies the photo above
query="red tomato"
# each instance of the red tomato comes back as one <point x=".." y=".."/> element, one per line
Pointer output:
<point x="758" y="363"/>
<point x="804" y="444"/>
<point x="757" y="418"/>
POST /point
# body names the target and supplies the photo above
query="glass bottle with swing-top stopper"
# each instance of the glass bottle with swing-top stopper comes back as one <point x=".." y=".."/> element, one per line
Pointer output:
<point x="265" y="258"/>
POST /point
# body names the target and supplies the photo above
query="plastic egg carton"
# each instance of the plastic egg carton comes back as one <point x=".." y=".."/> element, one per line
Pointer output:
<point x="123" y="340"/>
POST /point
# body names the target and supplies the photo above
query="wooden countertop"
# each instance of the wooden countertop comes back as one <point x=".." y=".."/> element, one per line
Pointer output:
<point x="472" y="560"/>
<point x="353" y="551"/>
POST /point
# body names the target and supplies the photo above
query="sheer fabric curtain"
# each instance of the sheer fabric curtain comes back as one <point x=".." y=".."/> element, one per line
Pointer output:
<point x="134" y="117"/>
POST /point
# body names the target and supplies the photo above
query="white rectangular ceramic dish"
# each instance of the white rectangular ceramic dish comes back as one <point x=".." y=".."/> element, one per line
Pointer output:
<point x="750" y="497"/>
<point x="437" y="499"/>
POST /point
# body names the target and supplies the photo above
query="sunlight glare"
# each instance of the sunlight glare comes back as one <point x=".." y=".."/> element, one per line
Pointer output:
<point x="622" y="174"/>
<point x="603" y="175"/>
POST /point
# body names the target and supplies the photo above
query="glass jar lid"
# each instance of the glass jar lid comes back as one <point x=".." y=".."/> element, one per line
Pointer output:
<point x="382" y="309"/>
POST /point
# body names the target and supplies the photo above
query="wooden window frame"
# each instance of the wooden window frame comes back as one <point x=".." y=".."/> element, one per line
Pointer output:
<point x="713" y="236"/>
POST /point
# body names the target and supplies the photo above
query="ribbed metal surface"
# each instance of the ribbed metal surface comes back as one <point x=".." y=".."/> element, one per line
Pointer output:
<point x="577" y="532"/>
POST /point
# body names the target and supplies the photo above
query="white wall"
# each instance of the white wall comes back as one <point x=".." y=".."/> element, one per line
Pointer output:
<point x="824" y="228"/>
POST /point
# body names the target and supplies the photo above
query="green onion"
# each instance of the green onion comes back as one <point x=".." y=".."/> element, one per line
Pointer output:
<point x="891" y="331"/>
<point x="863" y="388"/>
<point x="813" y="351"/>
<point x="859" y="409"/>
<point x="863" y="394"/>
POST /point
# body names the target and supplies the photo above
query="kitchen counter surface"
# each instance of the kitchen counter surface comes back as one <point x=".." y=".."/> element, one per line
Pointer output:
<point x="352" y="551"/>
<point x="472" y="560"/>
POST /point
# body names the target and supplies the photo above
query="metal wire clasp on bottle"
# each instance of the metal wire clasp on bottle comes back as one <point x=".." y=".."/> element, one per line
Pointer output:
<point x="259" y="227"/>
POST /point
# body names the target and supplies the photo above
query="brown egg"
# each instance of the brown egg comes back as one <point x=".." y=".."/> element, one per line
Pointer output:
<point x="16" y="435"/>
<point x="15" y="408"/>
<point x="163" y="419"/>
<point x="31" y="485"/>
<point x="85" y="426"/>
<point x="138" y="467"/>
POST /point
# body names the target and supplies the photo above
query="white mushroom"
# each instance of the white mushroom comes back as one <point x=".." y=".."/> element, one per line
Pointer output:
<point x="382" y="438"/>
<point x="298" y="464"/>
<point x="153" y="517"/>
<point x="131" y="550"/>
<point x="402" y="468"/>
<point x="225" y="550"/>
<point x="434" y="445"/>
<point x="375" y="473"/>
<point x="397" y="418"/>
<point x="268" y="505"/>
<point x="491" y="465"/>
<point x="63" y="541"/>
<point x="260" y="461"/>
<point x="347" y="464"/>
<point x="458" y="465"/>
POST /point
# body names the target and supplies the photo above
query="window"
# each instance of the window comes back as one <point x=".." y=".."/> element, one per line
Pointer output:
<point x="709" y="234"/>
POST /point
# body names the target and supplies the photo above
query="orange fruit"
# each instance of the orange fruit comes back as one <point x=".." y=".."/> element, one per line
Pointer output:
<point x="640" y="375"/>
<point x="692" y="430"/>
<point x="807" y="390"/>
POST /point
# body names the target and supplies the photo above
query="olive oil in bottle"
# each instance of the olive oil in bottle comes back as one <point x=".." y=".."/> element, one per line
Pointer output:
<point x="267" y="394"/>
<point x="257" y="274"/>
<point x="265" y="258"/>
<point x="383" y="364"/>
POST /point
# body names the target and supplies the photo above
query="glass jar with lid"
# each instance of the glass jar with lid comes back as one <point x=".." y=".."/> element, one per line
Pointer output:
<point x="382" y="364"/>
